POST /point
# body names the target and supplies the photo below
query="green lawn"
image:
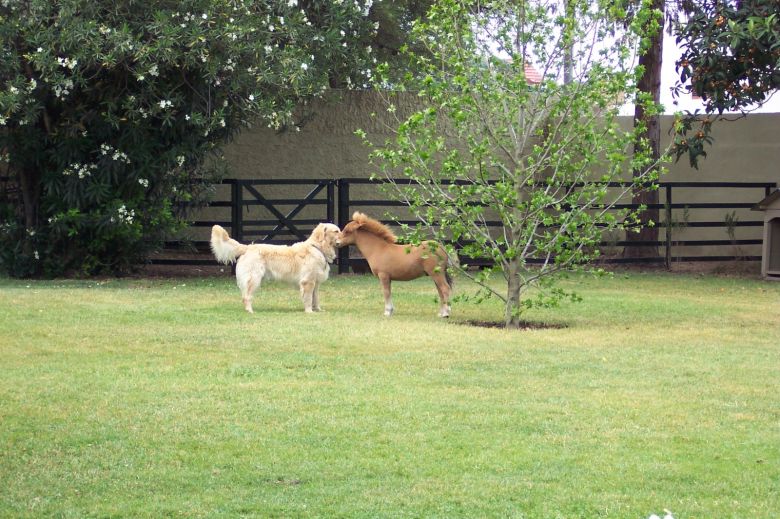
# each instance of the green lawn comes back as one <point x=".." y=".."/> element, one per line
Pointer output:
<point x="151" y="398"/>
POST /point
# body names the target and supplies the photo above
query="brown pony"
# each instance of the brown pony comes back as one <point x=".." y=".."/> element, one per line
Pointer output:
<point x="392" y="262"/>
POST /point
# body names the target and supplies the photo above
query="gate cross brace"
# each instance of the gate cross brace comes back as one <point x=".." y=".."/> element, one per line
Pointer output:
<point x="285" y="220"/>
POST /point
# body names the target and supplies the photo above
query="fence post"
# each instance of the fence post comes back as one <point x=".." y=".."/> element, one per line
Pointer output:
<point x="331" y="199"/>
<point x="668" y="252"/>
<point x="237" y="216"/>
<point x="343" y="216"/>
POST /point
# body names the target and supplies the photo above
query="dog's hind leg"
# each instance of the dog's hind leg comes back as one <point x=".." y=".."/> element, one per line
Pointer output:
<point x="249" y="276"/>
<point x="307" y="294"/>
<point x="247" y="293"/>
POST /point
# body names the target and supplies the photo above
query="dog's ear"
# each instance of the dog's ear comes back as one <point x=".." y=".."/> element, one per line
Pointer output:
<point x="318" y="234"/>
<point x="326" y="243"/>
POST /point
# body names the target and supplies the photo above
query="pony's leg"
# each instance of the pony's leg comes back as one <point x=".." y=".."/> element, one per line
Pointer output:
<point x="384" y="279"/>
<point x="444" y="294"/>
<point x="307" y="294"/>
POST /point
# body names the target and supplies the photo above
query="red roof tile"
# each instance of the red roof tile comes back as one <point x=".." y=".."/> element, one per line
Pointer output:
<point x="531" y="74"/>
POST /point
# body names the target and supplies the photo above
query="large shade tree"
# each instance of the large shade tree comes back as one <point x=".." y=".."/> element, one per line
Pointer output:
<point x="538" y="158"/>
<point x="642" y="239"/>
<point x="730" y="58"/>
<point x="108" y="110"/>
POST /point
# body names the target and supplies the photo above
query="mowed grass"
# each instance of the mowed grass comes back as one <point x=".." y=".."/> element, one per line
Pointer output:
<point x="152" y="398"/>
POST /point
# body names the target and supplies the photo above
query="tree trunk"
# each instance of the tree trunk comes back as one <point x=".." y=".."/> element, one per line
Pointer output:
<point x="650" y="82"/>
<point x="568" y="51"/>
<point x="30" y="197"/>
<point x="512" y="309"/>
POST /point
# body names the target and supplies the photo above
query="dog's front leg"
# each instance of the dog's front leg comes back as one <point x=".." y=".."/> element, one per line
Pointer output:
<point x="307" y="294"/>
<point x="315" y="298"/>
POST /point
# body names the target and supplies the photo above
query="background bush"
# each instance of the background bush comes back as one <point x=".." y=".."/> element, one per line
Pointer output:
<point x="109" y="110"/>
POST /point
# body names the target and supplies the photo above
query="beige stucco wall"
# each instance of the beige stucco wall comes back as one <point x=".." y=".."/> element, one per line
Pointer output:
<point x="745" y="150"/>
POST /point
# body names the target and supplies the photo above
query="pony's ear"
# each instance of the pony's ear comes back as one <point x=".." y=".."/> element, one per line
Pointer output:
<point x="357" y="215"/>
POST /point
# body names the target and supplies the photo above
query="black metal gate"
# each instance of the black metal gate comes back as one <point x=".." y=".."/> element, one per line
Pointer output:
<point x="282" y="211"/>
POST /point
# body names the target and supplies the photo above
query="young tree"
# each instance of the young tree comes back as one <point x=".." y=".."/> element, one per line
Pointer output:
<point x="730" y="58"/>
<point x="108" y="110"/>
<point x="540" y="160"/>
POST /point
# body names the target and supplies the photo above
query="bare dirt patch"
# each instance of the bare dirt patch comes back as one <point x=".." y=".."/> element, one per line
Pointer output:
<point x="524" y="325"/>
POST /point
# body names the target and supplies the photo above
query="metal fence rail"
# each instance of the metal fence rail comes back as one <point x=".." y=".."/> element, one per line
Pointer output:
<point x="334" y="201"/>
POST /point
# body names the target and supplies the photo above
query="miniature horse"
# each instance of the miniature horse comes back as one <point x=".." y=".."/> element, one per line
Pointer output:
<point x="392" y="262"/>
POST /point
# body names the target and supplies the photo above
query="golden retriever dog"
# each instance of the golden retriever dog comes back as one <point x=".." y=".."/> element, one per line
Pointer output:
<point x="305" y="263"/>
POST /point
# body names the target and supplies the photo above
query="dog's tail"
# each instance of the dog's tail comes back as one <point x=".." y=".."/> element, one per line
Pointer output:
<point x="225" y="249"/>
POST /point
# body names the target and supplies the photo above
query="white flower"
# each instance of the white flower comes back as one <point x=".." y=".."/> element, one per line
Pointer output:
<point x="251" y="97"/>
<point x="121" y="157"/>
<point x="204" y="16"/>
<point x="292" y="3"/>
<point x="2" y="120"/>
<point x="180" y="160"/>
<point x="125" y="215"/>
<point x="271" y="28"/>
<point x="13" y="90"/>
<point x="187" y="117"/>
<point x="40" y="49"/>
<point x="144" y="182"/>
<point x="304" y="66"/>
<point x="35" y="253"/>
<point x="222" y="123"/>
<point x="153" y="71"/>
<point x="67" y="63"/>
<point x="141" y="77"/>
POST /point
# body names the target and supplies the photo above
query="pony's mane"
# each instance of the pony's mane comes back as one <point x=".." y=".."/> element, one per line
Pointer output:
<point x="374" y="227"/>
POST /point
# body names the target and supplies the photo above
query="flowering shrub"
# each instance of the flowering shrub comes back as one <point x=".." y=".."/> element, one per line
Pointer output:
<point x="109" y="110"/>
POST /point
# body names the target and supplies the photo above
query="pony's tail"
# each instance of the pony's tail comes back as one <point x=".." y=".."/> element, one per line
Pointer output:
<point x="225" y="249"/>
<point x="452" y="261"/>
